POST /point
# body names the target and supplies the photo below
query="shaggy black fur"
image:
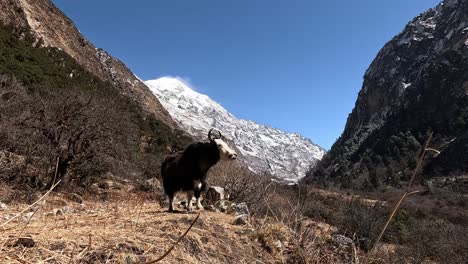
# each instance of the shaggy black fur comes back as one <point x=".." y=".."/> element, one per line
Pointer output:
<point x="184" y="170"/>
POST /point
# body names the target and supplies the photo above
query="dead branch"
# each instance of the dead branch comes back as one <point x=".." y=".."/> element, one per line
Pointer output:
<point x="173" y="245"/>
<point x="405" y="194"/>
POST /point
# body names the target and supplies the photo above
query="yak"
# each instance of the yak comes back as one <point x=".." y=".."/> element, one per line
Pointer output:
<point x="186" y="170"/>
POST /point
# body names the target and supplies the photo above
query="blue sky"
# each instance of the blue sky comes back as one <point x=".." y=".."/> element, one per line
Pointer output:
<point x="294" y="64"/>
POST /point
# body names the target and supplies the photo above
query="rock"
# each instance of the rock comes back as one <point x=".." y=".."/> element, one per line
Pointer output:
<point x="27" y="217"/>
<point x="214" y="194"/>
<point x="58" y="212"/>
<point x="342" y="241"/>
<point x="242" y="209"/>
<point x="25" y="242"/>
<point x="3" y="206"/>
<point x="105" y="185"/>
<point x="226" y="206"/>
<point x="76" y="198"/>
<point x="212" y="208"/>
<point x="241" y="220"/>
<point x="9" y="216"/>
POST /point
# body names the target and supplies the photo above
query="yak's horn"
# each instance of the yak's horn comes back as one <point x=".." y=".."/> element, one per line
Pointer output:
<point x="216" y="137"/>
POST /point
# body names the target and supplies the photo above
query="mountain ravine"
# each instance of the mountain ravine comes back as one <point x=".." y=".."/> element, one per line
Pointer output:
<point x="287" y="156"/>
<point x="417" y="84"/>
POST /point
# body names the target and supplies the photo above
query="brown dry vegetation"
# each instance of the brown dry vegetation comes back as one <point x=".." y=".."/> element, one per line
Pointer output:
<point x="428" y="228"/>
<point x="133" y="228"/>
<point x="126" y="230"/>
<point x="288" y="225"/>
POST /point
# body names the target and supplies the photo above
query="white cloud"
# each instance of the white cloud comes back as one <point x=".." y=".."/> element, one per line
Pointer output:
<point x="185" y="80"/>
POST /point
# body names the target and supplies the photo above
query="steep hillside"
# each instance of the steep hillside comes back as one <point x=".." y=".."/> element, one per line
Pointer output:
<point x="418" y="83"/>
<point x="265" y="149"/>
<point x="59" y="121"/>
<point x="53" y="29"/>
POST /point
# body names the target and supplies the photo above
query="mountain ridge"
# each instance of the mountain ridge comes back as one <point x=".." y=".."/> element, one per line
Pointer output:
<point x="285" y="155"/>
<point x="417" y="84"/>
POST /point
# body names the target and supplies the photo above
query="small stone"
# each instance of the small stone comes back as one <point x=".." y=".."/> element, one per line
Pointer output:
<point x="76" y="198"/>
<point x="241" y="220"/>
<point x="106" y="185"/>
<point x="68" y="209"/>
<point x="58" y="212"/>
<point x="3" y="207"/>
<point x="342" y="241"/>
<point x="25" y="242"/>
<point x="278" y="244"/>
<point x="9" y="216"/>
<point x="27" y="217"/>
<point x="212" y="208"/>
<point x="224" y="206"/>
<point x="130" y="248"/>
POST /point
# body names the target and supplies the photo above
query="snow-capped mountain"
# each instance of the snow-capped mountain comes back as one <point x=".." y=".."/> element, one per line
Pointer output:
<point x="287" y="156"/>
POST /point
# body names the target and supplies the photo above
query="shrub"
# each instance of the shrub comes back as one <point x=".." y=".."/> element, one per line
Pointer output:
<point x="434" y="239"/>
<point x="362" y="221"/>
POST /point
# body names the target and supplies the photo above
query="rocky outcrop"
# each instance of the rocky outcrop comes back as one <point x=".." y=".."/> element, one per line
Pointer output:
<point x="52" y="28"/>
<point x="417" y="84"/>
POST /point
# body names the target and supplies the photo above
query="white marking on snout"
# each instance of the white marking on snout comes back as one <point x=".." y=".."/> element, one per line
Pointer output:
<point x="225" y="152"/>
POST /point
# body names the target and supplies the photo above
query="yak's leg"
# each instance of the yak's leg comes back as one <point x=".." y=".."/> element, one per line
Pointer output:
<point x="199" y="205"/>
<point x="171" y="202"/>
<point x="199" y="186"/>
<point x="189" y="200"/>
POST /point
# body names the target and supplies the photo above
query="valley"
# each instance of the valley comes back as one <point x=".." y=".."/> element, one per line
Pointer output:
<point x="82" y="139"/>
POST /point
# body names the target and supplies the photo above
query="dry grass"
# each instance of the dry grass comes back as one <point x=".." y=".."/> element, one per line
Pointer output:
<point x="128" y="230"/>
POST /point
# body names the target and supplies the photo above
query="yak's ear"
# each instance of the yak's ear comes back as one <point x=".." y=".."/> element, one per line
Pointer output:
<point x="209" y="135"/>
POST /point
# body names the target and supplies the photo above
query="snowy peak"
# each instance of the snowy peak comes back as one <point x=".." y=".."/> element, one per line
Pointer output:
<point x="287" y="156"/>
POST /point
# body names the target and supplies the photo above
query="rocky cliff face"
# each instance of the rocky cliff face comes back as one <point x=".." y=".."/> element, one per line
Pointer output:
<point x="418" y="83"/>
<point x="287" y="156"/>
<point x="51" y="27"/>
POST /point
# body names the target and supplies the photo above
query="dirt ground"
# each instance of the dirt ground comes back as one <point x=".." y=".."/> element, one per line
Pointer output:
<point x="129" y="229"/>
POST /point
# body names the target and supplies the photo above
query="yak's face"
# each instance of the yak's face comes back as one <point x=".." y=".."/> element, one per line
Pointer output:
<point x="225" y="152"/>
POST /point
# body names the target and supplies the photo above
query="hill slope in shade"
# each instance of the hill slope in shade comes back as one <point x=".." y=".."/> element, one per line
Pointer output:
<point x="68" y="115"/>
<point x="286" y="156"/>
<point x="54" y="29"/>
<point x="417" y="84"/>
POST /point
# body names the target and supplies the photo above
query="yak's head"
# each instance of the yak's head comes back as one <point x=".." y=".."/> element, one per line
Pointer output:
<point x="225" y="152"/>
